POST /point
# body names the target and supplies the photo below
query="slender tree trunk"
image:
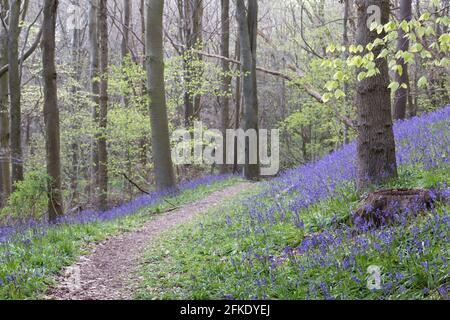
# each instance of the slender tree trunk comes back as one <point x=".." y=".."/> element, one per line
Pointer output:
<point x="95" y="89"/>
<point x="5" y="156"/>
<point x="165" y="178"/>
<point x="74" y="147"/>
<point x="142" y="18"/>
<point x="51" y="112"/>
<point x="126" y="27"/>
<point x="102" y="174"/>
<point x="238" y="103"/>
<point x="248" y="27"/>
<point x="15" y="92"/>
<point x="345" y="55"/>
<point x="401" y="96"/>
<point x="198" y="32"/>
<point x="125" y="55"/>
<point x="226" y="77"/>
<point x="143" y="142"/>
<point x="125" y="38"/>
<point x="376" y="160"/>
<point x="191" y="12"/>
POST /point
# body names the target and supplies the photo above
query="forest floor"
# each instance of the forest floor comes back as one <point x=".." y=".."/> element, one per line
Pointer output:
<point x="110" y="271"/>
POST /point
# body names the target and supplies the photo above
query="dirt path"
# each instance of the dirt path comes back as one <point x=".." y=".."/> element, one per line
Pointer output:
<point x="110" y="271"/>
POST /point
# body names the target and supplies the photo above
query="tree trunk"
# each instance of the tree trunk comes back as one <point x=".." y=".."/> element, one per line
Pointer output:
<point x="51" y="112"/>
<point x="345" y="55"/>
<point x="376" y="160"/>
<point x="126" y="27"/>
<point x="95" y="89"/>
<point x="165" y="178"/>
<point x="74" y="147"/>
<point x="191" y="12"/>
<point x="102" y="174"/>
<point x="125" y="39"/>
<point x="142" y="18"/>
<point x="5" y="156"/>
<point x="248" y="27"/>
<point x="226" y="77"/>
<point x="238" y="103"/>
<point x="15" y="91"/>
<point x="401" y="96"/>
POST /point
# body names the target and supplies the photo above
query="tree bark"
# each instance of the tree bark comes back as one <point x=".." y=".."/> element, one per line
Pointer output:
<point x="102" y="174"/>
<point x="248" y="27"/>
<point x="226" y="77"/>
<point x="51" y="112"/>
<point x="126" y="28"/>
<point x="95" y="89"/>
<point x="74" y="147"/>
<point x="125" y="39"/>
<point x="163" y="166"/>
<point x="238" y="103"/>
<point x="142" y="18"/>
<point x="401" y="95"/>
<point x="5" y="156"/>
<point x="15" y="92"/>
<point x="345" y="55"/>
<point x="376" y="160"/>
<point x="191" y="15"/>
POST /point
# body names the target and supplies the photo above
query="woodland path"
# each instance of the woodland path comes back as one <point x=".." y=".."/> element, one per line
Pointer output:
<point x="110" y="271"/>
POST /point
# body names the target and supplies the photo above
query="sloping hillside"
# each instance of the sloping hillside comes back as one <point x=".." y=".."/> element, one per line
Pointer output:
<point x="296" y="239"/>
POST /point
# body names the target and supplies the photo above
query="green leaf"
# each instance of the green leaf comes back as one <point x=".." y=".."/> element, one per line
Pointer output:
<point x="331" y="85"/>
<point x="362" y="76"/>
<point x="398" y="68"/>
<point x="405" y="26"/>
<point x="339" y="94"/>
<point x="326" y="97"/>
<point x="394" y="86"/>
<point x="425" y="16"/>
<point x="416" y="48"/>
<point x="423" y="82"/>
<point x="383" y="54"/>
<point x="339" y="76"/>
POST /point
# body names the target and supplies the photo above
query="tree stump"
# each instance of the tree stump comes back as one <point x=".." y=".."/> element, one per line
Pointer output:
<point x="387" y="206"/>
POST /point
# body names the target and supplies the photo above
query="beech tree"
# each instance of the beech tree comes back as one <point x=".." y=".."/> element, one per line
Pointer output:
<point x="224" y="101"/>
<point x="126" y="36"/>
<point x="95" y="87"/>
<point x="51" y="111"/>
<point x="14" y="90"/>
<point x="247" y="18"/>
<point x="162" y="158"/>
<point x="191" y="24"/>
<point x="5" y="157"/>
<point x="401" y="95"/>
<point x="376" y="159"/>
<point x="102" y="173"/>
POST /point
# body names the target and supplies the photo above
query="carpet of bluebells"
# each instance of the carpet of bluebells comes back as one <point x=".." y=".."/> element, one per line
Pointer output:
<point x="298" y="238"/>
<point x="31" y="252"/>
